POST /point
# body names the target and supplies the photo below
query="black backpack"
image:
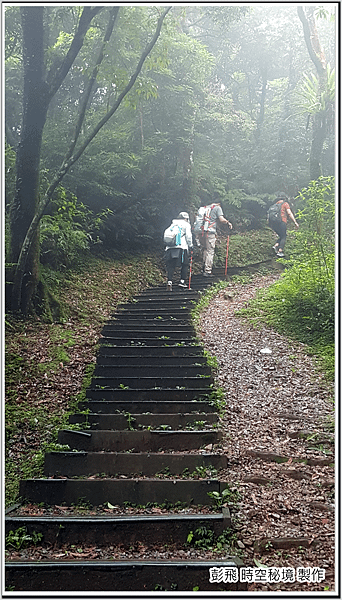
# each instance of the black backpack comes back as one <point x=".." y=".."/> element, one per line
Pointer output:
<point x="274" y="212"/>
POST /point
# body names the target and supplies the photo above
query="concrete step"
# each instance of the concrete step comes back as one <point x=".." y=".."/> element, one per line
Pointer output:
<point x="112" y="576"/>
<point x="138" y="421"/>
<point x="151" y="360"/>
<point x="150" y="370"/>
<point x="168" y="317"/>
<point x="197" y="284"/>
<point x="134" y="383"/>
<point x="153" y="308"/>
<point x="151" y="311"/>
<point x="118" y="530"/>
<point x="165" y="406"/>
<point x="151" y="350"/>
<point x="138" y="394"/>
<point x="136" y="492"/>
<point x="137" y="333"/>
<point x="140" y="441"/>
<point x="149" y="340"/>
<point x="160" y="290"/>
<point x="164" y="294"/>
<point x="168" y="303"/>
<point x="137" y="319"/>
<point x="148" y="346"/>
<point x="132" y="464"/>
<point x="157" y="327"/>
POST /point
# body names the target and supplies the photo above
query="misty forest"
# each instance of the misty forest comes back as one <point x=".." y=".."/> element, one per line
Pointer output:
<point x="119" y="117"/>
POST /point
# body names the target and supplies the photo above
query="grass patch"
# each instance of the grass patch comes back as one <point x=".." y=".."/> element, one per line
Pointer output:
<point x="304" y="315"/>
<point x="246" y="248"/>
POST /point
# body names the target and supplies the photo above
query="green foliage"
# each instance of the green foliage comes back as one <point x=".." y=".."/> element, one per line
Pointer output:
<point x="166" y="505"/>
<point x="69" y="231"/>
<point x="190" y="127"/>
<point x="245" y="209"/>
<point x="198" y="425"/>
<point x="217" y="398"/>
<point x="204" y="472"/>
<point x="312" y="99"/>
<point x="227" y="496"/>
<point x="130" y="421"/>
<point x="302" y="303"/>
<point x="205" y="538"/>
<point x="317" y="215"/>
<point x="9" y="190"/>
<point x="211" y="360"/>
<point x="82" y="505"/>
<point x="201" y="538"/>
<point x="10" y="173"/>
<point x="20" y="539"/>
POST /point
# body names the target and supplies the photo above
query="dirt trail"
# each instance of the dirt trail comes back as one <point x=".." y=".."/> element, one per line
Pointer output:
<point x="274" y="393"/>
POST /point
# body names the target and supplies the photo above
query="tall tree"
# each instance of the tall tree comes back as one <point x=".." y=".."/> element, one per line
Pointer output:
<point x="319" y="117"/>
<point x="28" y="208"/>
<point x="39" y="89"/>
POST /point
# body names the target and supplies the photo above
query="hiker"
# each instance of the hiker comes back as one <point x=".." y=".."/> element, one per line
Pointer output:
<point x="277" y="219"/>
<point x="178" y="254"/>
<point x="213" y="215"/>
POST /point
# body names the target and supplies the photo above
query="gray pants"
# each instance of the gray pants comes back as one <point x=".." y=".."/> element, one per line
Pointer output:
<point x="208" y="242"/>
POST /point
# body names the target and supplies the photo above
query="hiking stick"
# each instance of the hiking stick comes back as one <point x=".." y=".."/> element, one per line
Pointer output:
<point x="225" y="273"/>
<point x="190" y="270"/>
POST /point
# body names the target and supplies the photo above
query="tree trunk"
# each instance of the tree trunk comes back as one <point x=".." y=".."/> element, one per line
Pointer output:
<point x="28" y="244"/>
<point x="318" y="137"/>
<point x="284" y="156"/>
<point x="319" y="119"/>
<point x="35" y="105"/>
<point x="260" y="119"/>
<point x="36" y="99"/>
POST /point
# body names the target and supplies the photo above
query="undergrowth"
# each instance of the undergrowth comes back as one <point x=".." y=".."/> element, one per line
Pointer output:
<point x="205" y="538"/>
<point x="244" y="248"/>
<point x="292" y="311"/>
<point x="301" y="304"/>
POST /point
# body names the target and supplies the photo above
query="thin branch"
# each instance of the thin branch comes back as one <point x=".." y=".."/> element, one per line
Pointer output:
<point x="16" y="290"/>
<point x="307" y="36"/>
<point x="58" y="77"/>
<point x="124" y="93"/>
<point x="85" y="97"/>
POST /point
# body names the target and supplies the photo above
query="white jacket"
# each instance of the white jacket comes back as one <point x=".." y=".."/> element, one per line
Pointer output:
<point x="186" y="239"/>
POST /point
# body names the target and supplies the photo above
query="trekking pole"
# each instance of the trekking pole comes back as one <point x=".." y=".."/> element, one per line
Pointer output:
<point x="225" y="273"/>
<point x="190" y="270"/>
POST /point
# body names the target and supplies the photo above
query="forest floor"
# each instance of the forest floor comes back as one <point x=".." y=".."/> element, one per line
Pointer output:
<point x="284" y="516"/>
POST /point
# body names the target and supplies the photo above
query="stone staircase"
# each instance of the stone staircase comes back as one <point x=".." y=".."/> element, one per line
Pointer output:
<point x="150" y="389"/>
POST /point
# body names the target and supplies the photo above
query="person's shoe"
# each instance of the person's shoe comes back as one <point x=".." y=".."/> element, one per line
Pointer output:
<point x="275" y="248"/>
<point x="182" y="284"/>
<point x="208" y="274"/>
<point x="169" y="286"/>
<point x="280" y="254"/>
